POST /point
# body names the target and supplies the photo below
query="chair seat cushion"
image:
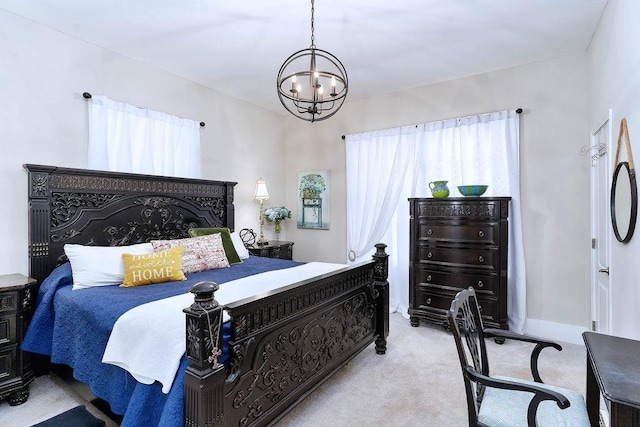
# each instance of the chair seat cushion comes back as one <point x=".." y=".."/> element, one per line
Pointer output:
<point x="509" y="408"/>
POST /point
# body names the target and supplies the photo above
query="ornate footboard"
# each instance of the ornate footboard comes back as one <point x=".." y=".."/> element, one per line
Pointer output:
<point x="284" y="344"/>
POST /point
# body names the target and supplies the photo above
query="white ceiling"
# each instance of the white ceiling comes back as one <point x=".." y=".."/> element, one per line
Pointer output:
<point x="237" y="47"/>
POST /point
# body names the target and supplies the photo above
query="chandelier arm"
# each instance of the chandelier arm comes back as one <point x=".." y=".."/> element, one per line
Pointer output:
<point x="326" y="102"/>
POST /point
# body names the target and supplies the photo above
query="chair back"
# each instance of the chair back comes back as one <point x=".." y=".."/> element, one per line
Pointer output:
<point x="466" y="325"/>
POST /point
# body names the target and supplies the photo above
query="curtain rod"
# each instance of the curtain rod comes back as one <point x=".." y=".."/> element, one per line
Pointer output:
<point x="87" y="95"/>
<point x="518" y="111"/>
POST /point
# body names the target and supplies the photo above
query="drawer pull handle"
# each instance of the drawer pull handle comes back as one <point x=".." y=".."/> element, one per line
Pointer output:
<point x="480" y="284"/>
<point x="428" y="301"/>
<point x="428" y="278"/>
<point x="429" y="255"/>
<point x="481" y="258"/>
<point x="480" y="309"/>
<point x="429" y="232"/>
<point x="481" y="233"/>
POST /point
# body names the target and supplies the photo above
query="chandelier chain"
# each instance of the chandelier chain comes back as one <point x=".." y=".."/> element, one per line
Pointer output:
<point x="312" y="28"/>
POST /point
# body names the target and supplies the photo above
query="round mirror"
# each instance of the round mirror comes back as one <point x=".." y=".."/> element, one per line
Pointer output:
<point x="624" y="202"/>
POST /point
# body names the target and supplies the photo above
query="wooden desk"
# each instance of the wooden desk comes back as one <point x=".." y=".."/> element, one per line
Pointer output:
<point x="613" y="369"/>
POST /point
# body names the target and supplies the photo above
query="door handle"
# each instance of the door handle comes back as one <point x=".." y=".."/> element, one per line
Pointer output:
<point x="604" y="270"/>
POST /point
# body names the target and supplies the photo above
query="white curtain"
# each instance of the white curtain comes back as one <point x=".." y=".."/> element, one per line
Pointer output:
<point x="385" y="168"/>
<point x="126" y="138"/>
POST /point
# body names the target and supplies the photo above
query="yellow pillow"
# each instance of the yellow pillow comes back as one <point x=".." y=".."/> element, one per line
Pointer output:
<point x="157" y="267"/>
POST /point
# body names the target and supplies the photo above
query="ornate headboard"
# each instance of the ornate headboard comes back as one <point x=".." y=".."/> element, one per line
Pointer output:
<point x="92" y="207"/>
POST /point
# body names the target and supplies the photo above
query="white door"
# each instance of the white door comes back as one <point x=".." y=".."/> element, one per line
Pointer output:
<point x="599" y="152"/>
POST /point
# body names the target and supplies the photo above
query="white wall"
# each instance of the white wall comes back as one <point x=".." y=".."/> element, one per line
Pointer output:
<point x="43" y="120"/>
<point x="554" y="181"/>
<point x="614" y="82"/>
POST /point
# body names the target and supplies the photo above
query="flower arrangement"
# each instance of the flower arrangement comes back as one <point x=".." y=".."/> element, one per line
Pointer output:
<point x="311" y="186"/>
<point x="276" y="215"/>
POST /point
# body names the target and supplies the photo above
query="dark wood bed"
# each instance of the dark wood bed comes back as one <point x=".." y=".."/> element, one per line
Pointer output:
<point x="283" y="344"/>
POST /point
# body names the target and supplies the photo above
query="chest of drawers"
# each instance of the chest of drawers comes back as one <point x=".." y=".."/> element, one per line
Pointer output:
<point x="455" y="243"/>
<point x="17" y="302"/>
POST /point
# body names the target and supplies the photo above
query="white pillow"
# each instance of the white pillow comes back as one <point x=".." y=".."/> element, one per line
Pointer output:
<point x="243" y="253"/>
<point x="100" y="265"/>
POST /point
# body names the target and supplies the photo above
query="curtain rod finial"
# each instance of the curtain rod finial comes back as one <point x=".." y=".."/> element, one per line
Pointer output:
<point x="86" y="95"/>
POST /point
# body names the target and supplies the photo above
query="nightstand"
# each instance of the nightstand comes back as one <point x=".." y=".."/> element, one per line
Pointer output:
<point x="273" y="249"/>
<point x="17" y="302"/>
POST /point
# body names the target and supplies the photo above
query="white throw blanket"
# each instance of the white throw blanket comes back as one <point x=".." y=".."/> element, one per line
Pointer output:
<point x="149" y="340"/>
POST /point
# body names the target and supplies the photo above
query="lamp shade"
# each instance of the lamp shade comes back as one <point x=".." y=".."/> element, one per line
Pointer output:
<point x="261" y="190"/>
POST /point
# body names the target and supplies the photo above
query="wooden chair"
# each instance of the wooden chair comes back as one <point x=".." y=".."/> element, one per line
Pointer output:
<point x="504" y="401"/>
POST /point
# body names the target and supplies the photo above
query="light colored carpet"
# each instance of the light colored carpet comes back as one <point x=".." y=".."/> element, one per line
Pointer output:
<point x="418" y="382"/>
<point x="48" y="396"/>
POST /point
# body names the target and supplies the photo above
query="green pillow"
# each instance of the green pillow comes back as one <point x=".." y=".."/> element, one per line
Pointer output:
<point x="227" y="243"/>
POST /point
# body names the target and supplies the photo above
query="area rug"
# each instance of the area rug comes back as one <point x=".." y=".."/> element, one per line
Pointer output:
<point x="76" y="417"/>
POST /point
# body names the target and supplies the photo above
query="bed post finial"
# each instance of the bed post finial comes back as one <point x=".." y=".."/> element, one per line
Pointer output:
<point x="380" y="275"/>
<point x="381" y="271"/>
<point x="204" y="377"/>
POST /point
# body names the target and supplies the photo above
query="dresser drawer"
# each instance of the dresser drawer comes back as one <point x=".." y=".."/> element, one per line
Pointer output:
<point x="8" y="329"/>
<point x="482" y="233"/>
<point x="484" y="284"/>
<point x="461" y="208"/>
<point x="476" y="258"/>
<point x="431" y="300"/>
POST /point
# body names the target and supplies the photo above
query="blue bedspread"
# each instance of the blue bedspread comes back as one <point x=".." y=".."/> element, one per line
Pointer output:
<point x="73" y="328"/>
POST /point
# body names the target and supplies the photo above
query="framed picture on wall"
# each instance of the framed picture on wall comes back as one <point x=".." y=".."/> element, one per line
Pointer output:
<point x="313" y="200"/>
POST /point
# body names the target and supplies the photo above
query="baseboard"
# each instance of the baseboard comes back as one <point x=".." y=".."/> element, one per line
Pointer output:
<point x="555" y="331"/>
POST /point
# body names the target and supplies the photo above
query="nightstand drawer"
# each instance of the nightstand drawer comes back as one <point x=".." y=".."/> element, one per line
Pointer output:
<point x="8" y="359"/>
<point x="8" y="329"/>
<point x="8" y="301"/>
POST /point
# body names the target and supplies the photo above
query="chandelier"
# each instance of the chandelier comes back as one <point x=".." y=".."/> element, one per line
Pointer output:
<point x="312" y="83"/>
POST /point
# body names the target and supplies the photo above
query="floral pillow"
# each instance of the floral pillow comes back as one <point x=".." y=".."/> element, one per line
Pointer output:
<point x="227" y="242"/>
<point x="200" y="253"/>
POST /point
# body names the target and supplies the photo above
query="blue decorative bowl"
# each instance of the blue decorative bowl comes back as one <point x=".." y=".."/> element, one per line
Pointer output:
<point x="472" y="190"/>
